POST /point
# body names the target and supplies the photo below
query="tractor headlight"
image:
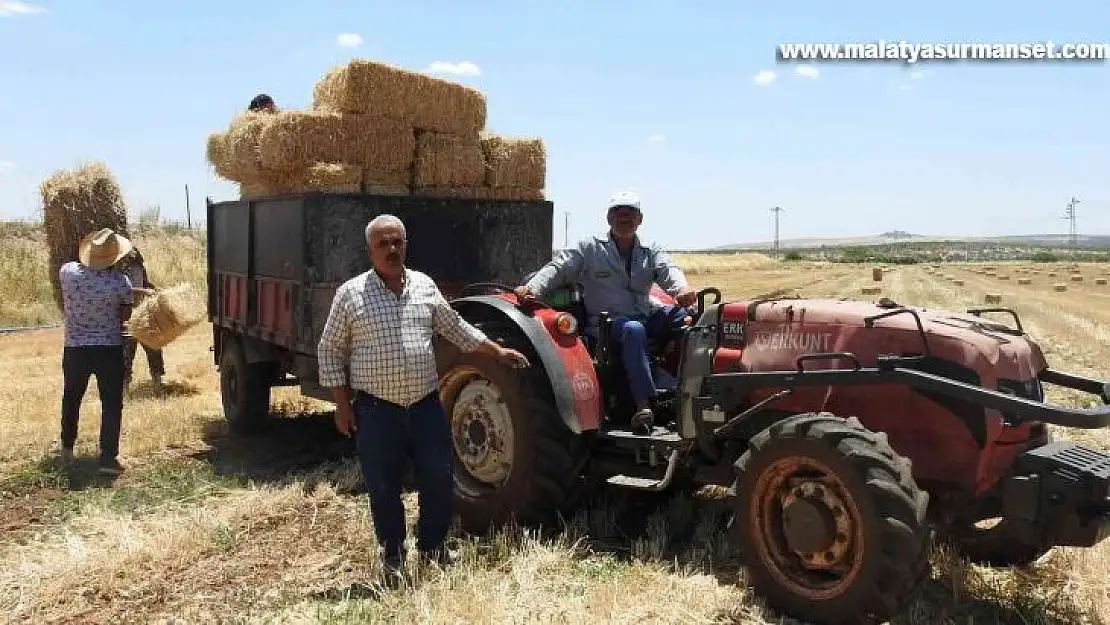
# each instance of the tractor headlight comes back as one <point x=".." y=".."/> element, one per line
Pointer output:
<point x="566" y="324"/>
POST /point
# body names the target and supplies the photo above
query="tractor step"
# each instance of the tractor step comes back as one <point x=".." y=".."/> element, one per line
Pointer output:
<point x="647" y="483"/>
<point x="658" y="434"/>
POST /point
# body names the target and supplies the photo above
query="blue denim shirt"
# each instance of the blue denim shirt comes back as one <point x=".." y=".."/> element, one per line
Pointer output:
<point x="607" y="286"/>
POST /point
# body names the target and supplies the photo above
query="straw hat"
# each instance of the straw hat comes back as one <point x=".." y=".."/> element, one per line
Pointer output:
<point x="103" y="248"/>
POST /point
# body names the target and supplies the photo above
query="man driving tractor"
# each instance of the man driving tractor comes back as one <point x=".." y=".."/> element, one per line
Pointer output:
<point x="616" y="272"/>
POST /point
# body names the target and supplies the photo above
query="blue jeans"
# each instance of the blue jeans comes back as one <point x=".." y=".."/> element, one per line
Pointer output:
<point x="629" y="337"/>
<point x="387" y="436"/>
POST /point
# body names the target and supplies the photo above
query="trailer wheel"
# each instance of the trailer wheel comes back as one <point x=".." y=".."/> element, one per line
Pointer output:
<point x="514" y="457"/>
<point x="829" y="520"/>
<point x="244" y="388"/>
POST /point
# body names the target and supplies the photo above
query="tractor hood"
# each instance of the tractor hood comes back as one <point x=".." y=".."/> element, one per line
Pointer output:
<point x="778" y="331"/>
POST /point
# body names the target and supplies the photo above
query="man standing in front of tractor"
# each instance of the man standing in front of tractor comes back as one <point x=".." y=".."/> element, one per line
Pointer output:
<point x="616" y="272"/>
<point x="376" y="352"/>
<point x="96" y="301"/>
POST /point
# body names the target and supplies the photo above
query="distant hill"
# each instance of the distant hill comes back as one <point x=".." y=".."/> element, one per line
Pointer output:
<point x="898" y="236"/>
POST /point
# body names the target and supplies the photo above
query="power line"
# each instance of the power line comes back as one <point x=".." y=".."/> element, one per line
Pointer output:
<point x="776" y="210"/>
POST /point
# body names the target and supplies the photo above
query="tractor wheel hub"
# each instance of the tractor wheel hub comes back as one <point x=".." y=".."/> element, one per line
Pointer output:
<point x="482" y="432"/>
<point x="816" y="524"/>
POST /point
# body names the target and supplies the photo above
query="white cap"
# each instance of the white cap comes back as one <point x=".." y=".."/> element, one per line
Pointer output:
<point x="624" y="198"/>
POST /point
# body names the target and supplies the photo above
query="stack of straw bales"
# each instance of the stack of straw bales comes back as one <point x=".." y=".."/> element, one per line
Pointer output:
<point x="377" y="128"/>
<point x="74" y="203"/>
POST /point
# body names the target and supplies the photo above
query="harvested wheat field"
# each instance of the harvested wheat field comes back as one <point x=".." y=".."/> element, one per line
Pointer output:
<point x="209" y="527"/>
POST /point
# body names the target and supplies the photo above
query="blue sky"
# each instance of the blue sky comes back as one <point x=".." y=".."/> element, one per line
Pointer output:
<point x="655" y="95"/>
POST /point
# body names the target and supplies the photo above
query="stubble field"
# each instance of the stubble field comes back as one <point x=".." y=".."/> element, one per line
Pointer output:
<point x="207" y="527"/>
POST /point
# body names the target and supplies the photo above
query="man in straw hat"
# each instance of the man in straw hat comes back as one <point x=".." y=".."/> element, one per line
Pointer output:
<point x="96" y="301"/>
<point x="133" y="266"/>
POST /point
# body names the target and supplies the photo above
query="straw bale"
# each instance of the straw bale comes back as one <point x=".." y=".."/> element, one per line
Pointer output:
<point x="481" y="193"/>
<point x="327" y="177"/>
<point x="1024" y="281"/>
<point x="257" y="189"/>
<point x="1059" y="288"/>
<point x="514" y="162"/>
<point x="1077" y="278"/>
<point x="161" y="318"/>
<point x="74" y="203"/>
<point x="382" y="189"/>
<point x="877" y="274"/>
<point x="446" y="160"/>
<point x="413" y="98"/>
<point x="958" y="282"/>
<point x="241" y="148"/>
<point x="1100" y="281"/>
<point x="871" y="290"/>
<point x="1004" y="278"/>
<point x="295" y="140"/>
<point x="992" y="298"/>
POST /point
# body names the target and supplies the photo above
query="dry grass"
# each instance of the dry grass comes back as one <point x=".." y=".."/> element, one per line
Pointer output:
<point x="275" y="528"/>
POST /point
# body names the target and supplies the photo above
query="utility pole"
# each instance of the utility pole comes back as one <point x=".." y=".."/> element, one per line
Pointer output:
<point x="776" y="210"/>
<point x="566" y="230"/>
<point x="188" y="213"/>
<point x="1073" y="232"/>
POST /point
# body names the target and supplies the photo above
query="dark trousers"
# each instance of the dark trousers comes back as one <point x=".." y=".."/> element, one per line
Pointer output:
<point x="106" y="363"/>
<point x="154" y="359"/>
<point x="630" y="336"/>
<point x="389" y="435"/>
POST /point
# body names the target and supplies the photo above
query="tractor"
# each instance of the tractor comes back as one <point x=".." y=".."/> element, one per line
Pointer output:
<point x="849" y="436"/>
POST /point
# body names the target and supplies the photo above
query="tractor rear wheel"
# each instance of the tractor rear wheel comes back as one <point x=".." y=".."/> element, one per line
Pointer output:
<point x="829" y="520"/>
<point x="515" y="459"/>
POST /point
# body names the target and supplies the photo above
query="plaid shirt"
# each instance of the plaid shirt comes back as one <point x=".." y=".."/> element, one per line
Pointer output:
<point x="385" y="339"/>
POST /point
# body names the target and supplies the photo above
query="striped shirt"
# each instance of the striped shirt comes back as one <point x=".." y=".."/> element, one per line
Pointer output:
<point x="384" y="339"/>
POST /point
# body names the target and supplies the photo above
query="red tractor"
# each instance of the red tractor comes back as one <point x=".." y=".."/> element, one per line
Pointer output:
<point x="847" y="433"/>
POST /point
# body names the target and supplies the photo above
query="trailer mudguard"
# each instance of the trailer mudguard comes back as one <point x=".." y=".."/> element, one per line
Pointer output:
<point x="569" y="369"/>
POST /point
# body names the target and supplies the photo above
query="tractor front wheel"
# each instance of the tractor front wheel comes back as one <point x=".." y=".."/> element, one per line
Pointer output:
<point x="830" y="522"/>
<point x="515" y="459"/>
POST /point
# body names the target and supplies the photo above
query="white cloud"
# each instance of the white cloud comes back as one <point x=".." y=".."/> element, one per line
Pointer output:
<point x="764" y="78"/>
<point x="9" y="8"/>
<point x="656" y="138"/>
<point x="807" y="71"/>
<point x="348" y="40"/>
<point x="463" y="68"/>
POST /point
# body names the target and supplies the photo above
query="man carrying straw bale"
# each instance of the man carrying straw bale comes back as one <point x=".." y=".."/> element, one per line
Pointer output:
<point x="385" y="387"/>
<point x="96" y="300"/>
<point x="134" y="267"/>
<point x="622" y="288"/>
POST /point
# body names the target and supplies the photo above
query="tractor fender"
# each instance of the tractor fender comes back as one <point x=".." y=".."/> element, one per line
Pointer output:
<point x="569" y="368"/>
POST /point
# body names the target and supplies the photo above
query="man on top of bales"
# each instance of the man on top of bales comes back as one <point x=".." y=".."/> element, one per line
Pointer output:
<point x="262" y="103"/>
<point x="96" y="301"/>
<point x="616" y="271"/>
<point x="377" y="342"/>
<point x="134" y="267"/>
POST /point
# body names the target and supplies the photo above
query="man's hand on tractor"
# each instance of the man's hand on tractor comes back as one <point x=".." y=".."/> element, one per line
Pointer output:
<point x="525" y="294"/>
<point x="686" y="297"/>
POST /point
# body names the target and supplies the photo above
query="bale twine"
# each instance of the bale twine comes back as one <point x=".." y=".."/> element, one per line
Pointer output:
<point x="877" y="274"/>
<point x="161" y="318"/>
<point x="296" y="140"/>
<point x="1059" y="288"/>
<point x="1024" y="281"/>
<point x="514" y="162"/>
<point x="871" y="290"/>
<point x="992" y="298"/>
<point x="444" y="160"/>
<point x="75" y="203"/>
<point x="412" y="98"/>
